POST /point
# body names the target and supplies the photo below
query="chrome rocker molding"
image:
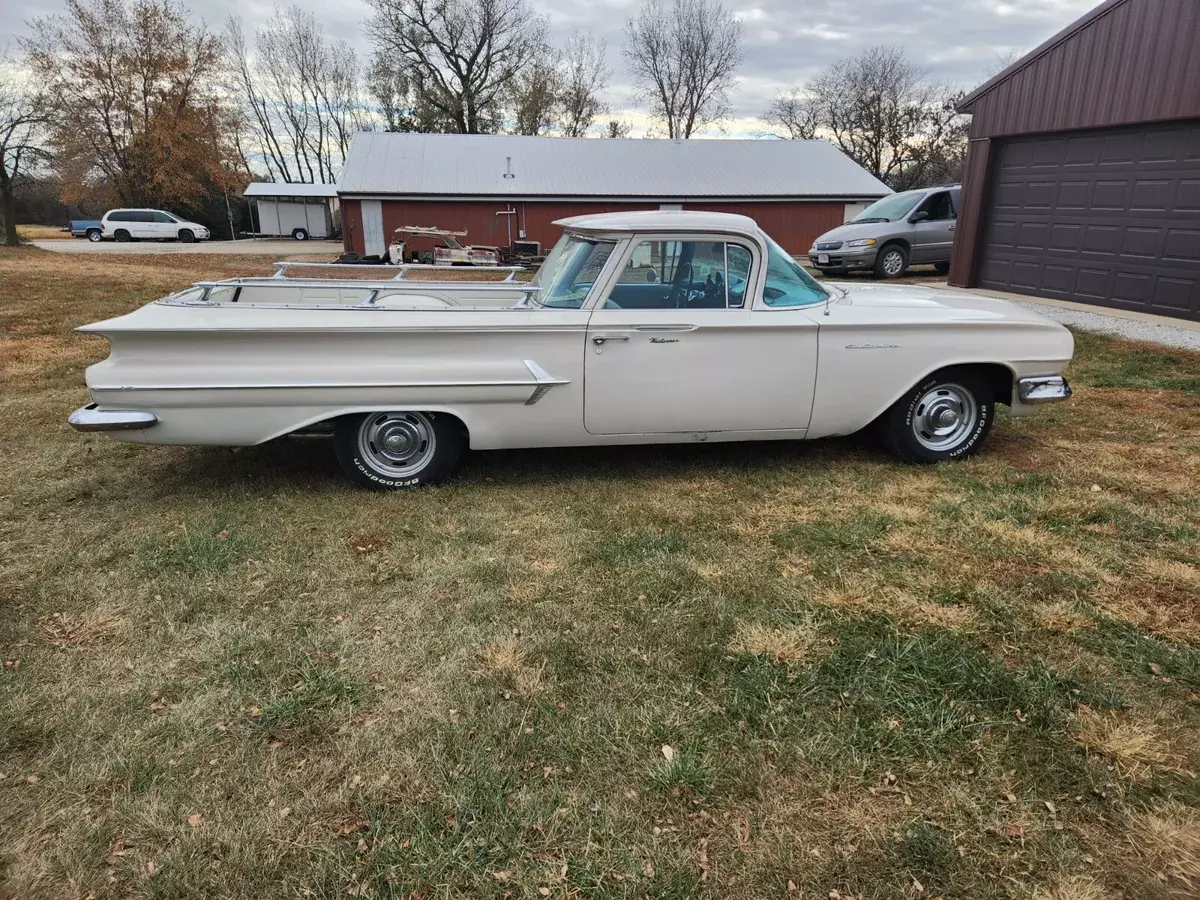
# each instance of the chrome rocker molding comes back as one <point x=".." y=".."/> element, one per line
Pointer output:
<point x="92" y="418"/>
<point x="1043" y="389"/>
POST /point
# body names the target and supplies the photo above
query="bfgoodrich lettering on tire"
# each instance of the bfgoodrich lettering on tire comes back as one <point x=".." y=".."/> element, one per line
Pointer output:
<point x="390" y="450"/>
<point x="947" y="416"/>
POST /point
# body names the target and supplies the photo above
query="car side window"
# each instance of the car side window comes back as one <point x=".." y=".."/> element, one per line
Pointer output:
<point x="955" y="194"/>
<point x="738" y="260"/>
<point x="163" y="218"/>
<point x="938" y="206"/>
<point x="143" y="216"/>
<point x="118" y="217"/>
<point x="682" y="275"/>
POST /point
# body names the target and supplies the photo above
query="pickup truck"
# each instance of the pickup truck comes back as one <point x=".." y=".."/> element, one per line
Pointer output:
<point x="86" y="228"/>
<point x="639" y="328"/>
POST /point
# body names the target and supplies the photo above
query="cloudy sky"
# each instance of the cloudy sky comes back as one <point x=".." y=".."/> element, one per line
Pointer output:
<point x="786" y="41"/>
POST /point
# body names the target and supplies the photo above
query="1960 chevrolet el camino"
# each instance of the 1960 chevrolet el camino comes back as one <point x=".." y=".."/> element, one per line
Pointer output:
<point x="644" y="327"/>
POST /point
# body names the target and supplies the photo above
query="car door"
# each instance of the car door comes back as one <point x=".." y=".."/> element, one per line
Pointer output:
<point x="164" y="226"/>
<point x="933" y="228"/>
<point x="142" y="224"/>
<point x="675" y="345"/>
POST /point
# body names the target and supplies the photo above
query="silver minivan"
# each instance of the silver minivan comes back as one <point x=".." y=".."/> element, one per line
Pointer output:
<point x="910" y="228"/>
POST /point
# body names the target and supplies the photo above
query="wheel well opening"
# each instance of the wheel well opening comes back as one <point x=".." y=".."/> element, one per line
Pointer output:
<point x="895" y="242"/>
<point x="999" y="377"/>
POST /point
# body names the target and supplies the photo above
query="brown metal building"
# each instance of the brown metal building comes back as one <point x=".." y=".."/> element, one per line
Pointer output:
<point x="501" y="188"/>
<point x="1083" y="175"/>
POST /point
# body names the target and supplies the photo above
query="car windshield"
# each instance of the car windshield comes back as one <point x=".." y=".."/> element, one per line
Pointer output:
<point x="889" y="209"/>
<point x="570" y="271"/>
<point x="787" y="282"/>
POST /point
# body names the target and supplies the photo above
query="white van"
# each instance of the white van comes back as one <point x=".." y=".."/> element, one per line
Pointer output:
<point x="149" y="225"/>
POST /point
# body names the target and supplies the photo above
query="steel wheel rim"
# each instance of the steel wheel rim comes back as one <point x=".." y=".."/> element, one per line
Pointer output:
<point x="892" y="262"/>
<point x="944" y="417"/>
<point x="397" y="444"/>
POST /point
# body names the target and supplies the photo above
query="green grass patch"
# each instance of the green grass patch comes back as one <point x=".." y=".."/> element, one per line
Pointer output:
<point x="1141" y="366"/>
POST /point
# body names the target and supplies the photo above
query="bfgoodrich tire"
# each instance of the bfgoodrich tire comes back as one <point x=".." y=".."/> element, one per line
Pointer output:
<point x="387" y="451"/>
<point x="947" y="416"/>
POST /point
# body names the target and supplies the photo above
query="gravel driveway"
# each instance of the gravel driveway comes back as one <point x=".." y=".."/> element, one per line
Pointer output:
<point x="1177" y="336"/>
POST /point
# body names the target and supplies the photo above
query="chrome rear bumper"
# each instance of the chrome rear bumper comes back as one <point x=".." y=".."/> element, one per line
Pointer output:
<point x="1043" y="389"/>
<point x="92" y="418"/>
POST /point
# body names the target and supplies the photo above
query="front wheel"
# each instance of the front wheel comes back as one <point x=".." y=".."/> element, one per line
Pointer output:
<point x="947" y="416"/>
<point x="299" y="234"/>
<point x="892" y="261"/>
<point x="389" y="450"/>
<point x="187" y="236"/>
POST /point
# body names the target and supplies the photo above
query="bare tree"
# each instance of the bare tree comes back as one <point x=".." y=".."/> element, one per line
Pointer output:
<point x="684" y="58"/>
<point x="391" y="88"/>
<point x="300" y="95"/>
<point x="617" y="129"/>
<point x="884" y="113"/>
<point x="24" y="117"/>
<point x="585" y="75"/>
<point x="796" y="114"/>
<point x="461" y="56"/>
<point x="537" y="95"/>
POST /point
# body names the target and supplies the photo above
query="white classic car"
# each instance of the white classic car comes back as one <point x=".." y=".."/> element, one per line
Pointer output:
<point x="642" y="327"/>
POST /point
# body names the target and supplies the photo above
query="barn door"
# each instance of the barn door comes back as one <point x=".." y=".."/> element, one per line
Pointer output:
<point x="372" y="223"/>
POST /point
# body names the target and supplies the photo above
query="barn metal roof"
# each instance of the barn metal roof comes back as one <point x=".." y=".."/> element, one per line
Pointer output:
<point x="280" y="189"/>
<point x="479" y="166"/>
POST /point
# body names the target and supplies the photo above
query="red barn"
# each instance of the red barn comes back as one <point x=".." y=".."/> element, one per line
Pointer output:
<point x="503" y="188"/>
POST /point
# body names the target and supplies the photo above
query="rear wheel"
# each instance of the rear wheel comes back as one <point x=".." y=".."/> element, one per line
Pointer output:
<point x="943" y="268"/>
<point x="94" y="235"/>
<point x="187" y="236"/>
<point x="892" y="261"/>
<point x="122" y="235"/>
<point x="389" y="450"/>
<point x="299" y="235"/>
<point x="947" y="416"/>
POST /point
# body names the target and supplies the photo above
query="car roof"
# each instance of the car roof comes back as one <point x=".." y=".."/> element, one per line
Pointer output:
<point x="622" y="223"/>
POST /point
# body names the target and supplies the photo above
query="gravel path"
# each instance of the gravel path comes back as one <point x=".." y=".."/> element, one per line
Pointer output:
<point x="1132" y="329"/>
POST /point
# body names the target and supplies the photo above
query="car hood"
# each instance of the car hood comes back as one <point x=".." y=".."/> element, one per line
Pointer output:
<point x="852" y="230"/>
<point x="931" y="299"/>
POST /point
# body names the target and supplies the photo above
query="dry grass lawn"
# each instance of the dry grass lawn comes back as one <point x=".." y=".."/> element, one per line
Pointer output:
<point x="44" y="233"/>
<point x="778" y="670"/>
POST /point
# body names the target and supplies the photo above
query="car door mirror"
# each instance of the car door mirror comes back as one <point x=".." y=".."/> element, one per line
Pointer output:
<point x="921" y="216"/>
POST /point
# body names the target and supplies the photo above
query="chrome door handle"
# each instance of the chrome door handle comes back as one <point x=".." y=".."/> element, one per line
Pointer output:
<point x="951" y="226"/>
<point x="602" y="338"/>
